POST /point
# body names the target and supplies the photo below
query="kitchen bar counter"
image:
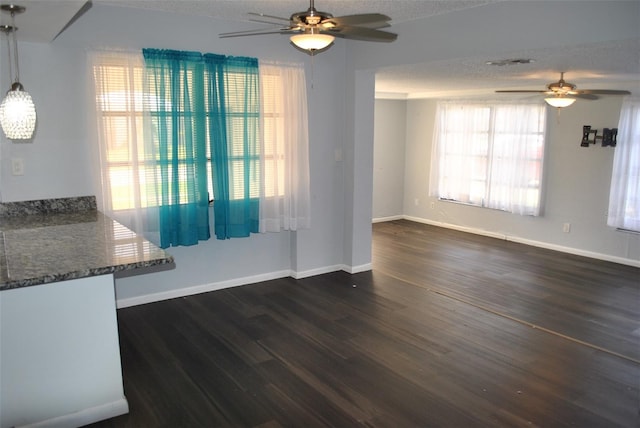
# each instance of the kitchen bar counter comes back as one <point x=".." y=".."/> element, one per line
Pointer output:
<point x="59" y="348"/>
<point x="62" y="239"/>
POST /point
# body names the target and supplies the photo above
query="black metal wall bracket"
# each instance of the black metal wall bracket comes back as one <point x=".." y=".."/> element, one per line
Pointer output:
<point x="608" y="137"/>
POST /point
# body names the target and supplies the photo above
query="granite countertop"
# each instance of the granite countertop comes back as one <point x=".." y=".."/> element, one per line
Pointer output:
<point x="57" y="240"/>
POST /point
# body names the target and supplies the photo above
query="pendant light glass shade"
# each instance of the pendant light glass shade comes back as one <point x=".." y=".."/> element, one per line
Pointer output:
<point x="18" y="114"/>
<point x="17" y="111"/>
<point x="560" y="102"/>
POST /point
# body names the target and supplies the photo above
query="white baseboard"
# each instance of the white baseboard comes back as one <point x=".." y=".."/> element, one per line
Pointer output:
<point x="189" y="291"/>
<point x="204" y="288"/>
<point x="317" y="271"/>
<point x="236" y="282"/>
<point x="390" y="218"/>
<point x="357" y="269"/>
<point x="84" y="417"/>
<point x="576" y="251"/>
<point x="335" y="268"/>
<point x="531" y="242"/>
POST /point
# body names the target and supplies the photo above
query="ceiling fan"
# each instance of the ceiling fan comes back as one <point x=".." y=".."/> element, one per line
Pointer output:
<point x="563" y="94"/>
<point x="314" y="31"/>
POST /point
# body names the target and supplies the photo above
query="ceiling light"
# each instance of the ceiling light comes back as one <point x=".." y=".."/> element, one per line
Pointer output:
<point x="17" y="111"/>
<point x="311" y="40"/>
<point x="560" y="102"/>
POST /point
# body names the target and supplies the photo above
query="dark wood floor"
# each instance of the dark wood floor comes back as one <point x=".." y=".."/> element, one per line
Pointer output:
<point x="449" y="330"/>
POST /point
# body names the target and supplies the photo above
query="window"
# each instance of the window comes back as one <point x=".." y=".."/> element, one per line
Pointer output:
<point x="273" y="126"/>
<point x="624" y="197"/>
<point x="174" y="126"/>
<point x="120" y="100"/>
<point x="118" y="81"/>
<point x="489" y="155"/>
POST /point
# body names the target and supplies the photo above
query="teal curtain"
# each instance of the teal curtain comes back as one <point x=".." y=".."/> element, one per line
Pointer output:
<point x="233" y="102"/>
<point x="175" y="84"/>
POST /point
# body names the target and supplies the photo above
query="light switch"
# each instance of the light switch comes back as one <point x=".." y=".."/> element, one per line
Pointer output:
<point x="337" y="155"/>
<point x="17" y="166"/>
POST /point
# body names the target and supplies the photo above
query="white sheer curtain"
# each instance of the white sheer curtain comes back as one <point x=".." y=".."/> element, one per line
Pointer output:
<point x="284" y="194"/>
<point x="460" y="133"/>
<point x="126" y="161"/>
<point x="127" y="157"/>
<point x="624" y="196"/>
<point x="490" y="154"/>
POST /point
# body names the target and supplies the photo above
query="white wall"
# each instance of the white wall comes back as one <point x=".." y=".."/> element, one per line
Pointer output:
<point x="577" y="181"/>
<point x="389" y="158"/>
<point x="61" y="161"/>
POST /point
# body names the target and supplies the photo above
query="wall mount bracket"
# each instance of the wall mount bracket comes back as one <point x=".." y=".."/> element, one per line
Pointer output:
<point x="608" y="137"/>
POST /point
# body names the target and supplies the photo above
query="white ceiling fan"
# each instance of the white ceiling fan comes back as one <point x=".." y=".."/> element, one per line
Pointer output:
<point x="314" y="31"/>
<point x="563" y="94"/>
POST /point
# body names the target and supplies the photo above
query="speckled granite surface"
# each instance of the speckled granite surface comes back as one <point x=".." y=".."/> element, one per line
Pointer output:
<point x="48" y="206"/>
<point x="57" y="240"/>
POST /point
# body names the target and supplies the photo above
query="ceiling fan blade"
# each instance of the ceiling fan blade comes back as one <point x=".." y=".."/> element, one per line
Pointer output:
<point x="550" y="93"/>
<point x="263" y="15"/>
<point x="361" y="33"/>
<point x="264" y="21"/>
<point x="585" y="96"/>
<point x="373" y="25"/>
<point x="517" y="91"/>
<point x="602" y="92"/>
<point x="255" y="32"/>
<point x="367" y="20"/>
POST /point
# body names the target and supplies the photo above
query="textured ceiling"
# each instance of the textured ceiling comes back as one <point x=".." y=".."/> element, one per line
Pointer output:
<point x="42" y="20"/>
<point x="606" y="65"/>
<point x="612" y="64"/>
<point x="236" y="10"/>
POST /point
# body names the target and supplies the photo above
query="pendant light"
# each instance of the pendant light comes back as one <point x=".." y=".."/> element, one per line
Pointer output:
<point x="17" y="111"/>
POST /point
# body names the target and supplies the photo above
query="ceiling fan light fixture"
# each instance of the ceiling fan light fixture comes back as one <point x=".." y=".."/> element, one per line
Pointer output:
<point x="313" y="32"/>
<point x="312" y="41"/>
<point x="560" y="102"/>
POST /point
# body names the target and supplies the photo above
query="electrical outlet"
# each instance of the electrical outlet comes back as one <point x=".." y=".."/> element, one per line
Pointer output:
<point x="566" y="227"/>
<point x="433" y="205"/>
<point x="17" y="166"/>
<point x="416" y="202"/>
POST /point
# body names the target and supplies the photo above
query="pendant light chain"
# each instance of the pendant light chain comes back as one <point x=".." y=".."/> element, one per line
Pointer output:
<point x="15" y="47"/>
<point x="9" y="54"/>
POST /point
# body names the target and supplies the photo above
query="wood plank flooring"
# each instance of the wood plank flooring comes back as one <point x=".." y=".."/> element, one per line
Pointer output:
<point x="588" y="300"/>
<point x="448" y="330"/>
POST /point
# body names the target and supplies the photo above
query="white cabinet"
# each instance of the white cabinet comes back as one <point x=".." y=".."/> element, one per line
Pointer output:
<point x="59" y="354"/>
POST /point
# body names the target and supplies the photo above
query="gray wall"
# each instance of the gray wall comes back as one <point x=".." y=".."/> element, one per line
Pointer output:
<point x="576" y="189"/>
<point x="62" y="160"/>
<point x="389" y="158"/>
<point x="577" y="179"/>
